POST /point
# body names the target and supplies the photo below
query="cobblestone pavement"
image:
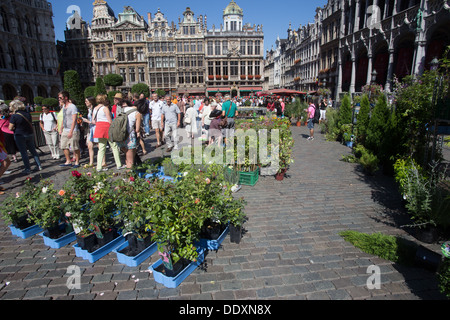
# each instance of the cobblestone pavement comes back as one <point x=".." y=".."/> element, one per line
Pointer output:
<point x="291" y="248"/>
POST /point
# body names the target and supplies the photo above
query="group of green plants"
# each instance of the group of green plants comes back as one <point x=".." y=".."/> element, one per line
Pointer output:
<point x="397" y="138"/>
<point x="296" y="111"/>
<point x="171" y="213"/>
<point x="396" y="249"/>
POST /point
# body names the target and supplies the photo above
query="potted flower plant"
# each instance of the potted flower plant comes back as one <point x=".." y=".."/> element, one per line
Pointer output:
<point x="134" y="208"/>
<point x="76" y="206"/>
<point x="47" y="211"/>
<point x="16" y="210"/>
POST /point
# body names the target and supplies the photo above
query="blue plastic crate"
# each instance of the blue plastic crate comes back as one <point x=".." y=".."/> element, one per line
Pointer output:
<point x="61" y="242"/>
<point x="100" y="252"/>
<point x="25" y="233"/>
<point x="136" y="260"/>
<point x="173" y="282"/>
<point x="213" y="244"/>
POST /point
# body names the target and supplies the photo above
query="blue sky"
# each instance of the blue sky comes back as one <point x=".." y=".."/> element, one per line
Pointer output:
<point x="273" y="15"/>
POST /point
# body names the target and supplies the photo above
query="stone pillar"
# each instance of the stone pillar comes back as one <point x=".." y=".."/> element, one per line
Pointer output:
<point x="352" y="82"/>
<point x="339" y="80"/>
<point x="356" y="20"/>
<point x="388" y="85"/>
<point x="369" y="68"/>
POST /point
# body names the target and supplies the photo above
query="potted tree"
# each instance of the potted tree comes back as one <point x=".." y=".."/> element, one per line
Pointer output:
<point x="135" y="207"/>
<point x="236" y="216"/>
<point x="15" y="210"/>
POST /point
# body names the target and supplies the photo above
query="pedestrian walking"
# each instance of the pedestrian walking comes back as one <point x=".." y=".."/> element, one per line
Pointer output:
<point x="311" y="112"/>
<point x="134" y="131"/>
<point x="142" y="106"/>
<point x="21" y="124"/>
<point x="145" y="112"/>
<point x="215" y="130"/>
<point x="190" y="121"/>
<point x="323" y="111"/>
<point x="49" y="125"/>
<point x="90" y="140"/>
<point x="156" y="106"/>
<point x="229" y="110"/>
<point x="5" y="163"/>
<point x="170" y="119"/>
<point x="102" y="120"/>
<point x="70" y="133"/>
<point x="9" y="142"/>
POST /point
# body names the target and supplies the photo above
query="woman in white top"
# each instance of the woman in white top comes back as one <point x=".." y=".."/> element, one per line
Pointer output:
<point x="102" y="120"/>
<point x="190" y="121"/>
<point x="90" y="140"/>
<point x="49" y="125"/>
<point x="134" y="131"/>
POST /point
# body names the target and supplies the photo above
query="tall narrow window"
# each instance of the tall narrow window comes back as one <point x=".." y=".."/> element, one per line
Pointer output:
<point x="132" y="74"/>
<point x="257" y="47"/>
<point x="2" y="59"/>
<point x="217" y="48"/>
<point x="25" y="59"/>
<point x="130" y="54"/>
<point x="12" y="56"/>
<point x="242" y="50"/>
<point x="120" y="54"/>
<point x="250" y="47"/>
<point x="141" y="74"/>
<point x="5" y="21"/>
<point x="34" y="62"/>
<point x="140" y="53"/>
<point x="210" y="48"/>
<point x="123" y="73"/>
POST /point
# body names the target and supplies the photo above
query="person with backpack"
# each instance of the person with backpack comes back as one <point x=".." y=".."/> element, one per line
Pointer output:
<point x="311" y="114"/>
<point x="49" y="126"/>
<point x="134" y="122"/>
<point x="102" y="120"/>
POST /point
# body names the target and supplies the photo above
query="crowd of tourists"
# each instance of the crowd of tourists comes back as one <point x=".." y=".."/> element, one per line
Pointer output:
<point x="69" y="135"/>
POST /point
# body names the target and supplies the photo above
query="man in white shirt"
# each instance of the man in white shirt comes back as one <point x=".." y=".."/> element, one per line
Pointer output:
<point x="48" y="123"/>
<point x="70" y="134"/>
<point x="171" y="115"/>
<point x="156" y="106"/>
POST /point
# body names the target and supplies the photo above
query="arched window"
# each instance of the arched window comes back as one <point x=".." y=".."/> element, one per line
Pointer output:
<point x="19" y="23"/>
<point x="28" y="27"/>
<point x="12" y="56"/>
<point x="34" y="62"/>
<point x="2" y="59"/>
<point x="36" y="26"/>
<point x="25" y="59"/>
<point x="5" y="22"/>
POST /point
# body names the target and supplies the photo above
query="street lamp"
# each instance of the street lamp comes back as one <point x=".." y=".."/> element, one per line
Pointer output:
<point x="434" y="64"/>
<point x="374" y="76"/>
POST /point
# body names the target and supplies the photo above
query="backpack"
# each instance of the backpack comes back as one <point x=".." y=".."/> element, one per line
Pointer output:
<point x="316" y="114"/>
<point x="118" y="131"/>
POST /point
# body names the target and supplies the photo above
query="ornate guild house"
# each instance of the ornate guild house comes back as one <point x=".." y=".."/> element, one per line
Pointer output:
<point x="360" y="42"/>
<point x="185" y="59"/>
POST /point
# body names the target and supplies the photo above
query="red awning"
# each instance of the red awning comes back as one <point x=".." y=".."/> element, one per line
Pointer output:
<point x="224" y="89"/>
<point x="285" y="91"/>
<point x="250" y="89"/>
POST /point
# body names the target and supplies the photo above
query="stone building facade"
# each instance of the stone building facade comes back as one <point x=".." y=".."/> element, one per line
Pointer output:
<point x="354" y="38"/>
<point x="185" y="59"/>
<point x="28" y="57"/>
<point x="234" y="55"/>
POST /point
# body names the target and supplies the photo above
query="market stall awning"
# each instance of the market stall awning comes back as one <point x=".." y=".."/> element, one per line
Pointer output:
<point x="285" y="91"/>
<point x="254" y="89"/>
<point x="224" y="89"/>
